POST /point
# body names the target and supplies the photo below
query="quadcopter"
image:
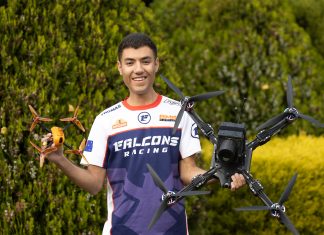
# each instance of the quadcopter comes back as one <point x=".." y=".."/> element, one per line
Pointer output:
<point x="58" y="138"/>
<point x="232" y="153"/>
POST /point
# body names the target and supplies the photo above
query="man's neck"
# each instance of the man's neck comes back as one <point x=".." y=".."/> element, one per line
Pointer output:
<point x="141" y="100"/>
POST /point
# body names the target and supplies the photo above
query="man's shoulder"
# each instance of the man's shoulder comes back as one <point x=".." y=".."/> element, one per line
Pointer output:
<point x="170" y="102"/>
<point x="111" y="109"/>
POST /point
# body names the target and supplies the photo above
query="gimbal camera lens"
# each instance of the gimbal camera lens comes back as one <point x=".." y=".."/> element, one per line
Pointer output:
<point x="227" y="151"/>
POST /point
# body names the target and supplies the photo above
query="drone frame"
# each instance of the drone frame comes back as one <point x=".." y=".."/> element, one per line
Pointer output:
<point x="266" y="131"/>
<point x="58" y="137"/>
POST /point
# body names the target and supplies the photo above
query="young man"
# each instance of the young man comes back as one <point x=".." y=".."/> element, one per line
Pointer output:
<point x="131" y="134"/>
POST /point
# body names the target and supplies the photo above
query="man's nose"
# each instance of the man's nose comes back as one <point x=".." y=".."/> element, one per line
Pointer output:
<point x="138" y="68"/>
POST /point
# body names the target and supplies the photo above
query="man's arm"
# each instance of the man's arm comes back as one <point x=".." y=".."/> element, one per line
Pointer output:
<point x="189" y="169"/>
<point x="90" y="179"/>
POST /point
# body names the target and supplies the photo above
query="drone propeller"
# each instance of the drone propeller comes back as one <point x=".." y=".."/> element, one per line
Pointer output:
<point x="36" y="118"/>
<point x="290" y="112"/>
<point x="78" y="151"/>
<point x="74" y="119"/>
<point x="186" y="101"/>
<point x="168" y="198"/>
<point x="43" y="152"/>
<point x="278" y="209"/>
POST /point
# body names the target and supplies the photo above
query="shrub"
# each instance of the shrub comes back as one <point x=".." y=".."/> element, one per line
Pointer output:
<point x="55" y="55"/>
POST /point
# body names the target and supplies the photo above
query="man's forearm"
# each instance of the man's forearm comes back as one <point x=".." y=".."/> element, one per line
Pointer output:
<point x="90" y="179"/>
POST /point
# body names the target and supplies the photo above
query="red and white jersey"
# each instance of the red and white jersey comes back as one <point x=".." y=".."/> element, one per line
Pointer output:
<point x="124" y="139"/>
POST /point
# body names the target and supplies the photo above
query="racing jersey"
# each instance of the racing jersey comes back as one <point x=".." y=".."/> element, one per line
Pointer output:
<point x="124" y="139"/>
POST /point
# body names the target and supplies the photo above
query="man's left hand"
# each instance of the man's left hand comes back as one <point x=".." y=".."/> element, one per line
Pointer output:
<point x="237" y="181"/>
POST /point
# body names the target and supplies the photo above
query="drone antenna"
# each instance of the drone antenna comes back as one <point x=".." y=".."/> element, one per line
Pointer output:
<point x="241" y="110"/>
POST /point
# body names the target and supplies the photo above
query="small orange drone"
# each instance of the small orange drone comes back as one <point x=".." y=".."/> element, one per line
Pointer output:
<point x="57" y="135"/>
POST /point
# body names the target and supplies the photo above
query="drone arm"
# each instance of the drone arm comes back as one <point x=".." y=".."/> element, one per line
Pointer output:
<point x="198" y="181"/>
<point x="44" y="127"/>
<point x="206" y="129"/>
<point x="265" y="135"/>
<point x="248" y="158"/>
<point x="256" y="188"/>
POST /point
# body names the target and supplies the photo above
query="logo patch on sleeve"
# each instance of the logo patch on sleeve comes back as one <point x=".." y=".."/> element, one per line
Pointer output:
<point x="194" y="131"/>
<point x="89" y="146"/>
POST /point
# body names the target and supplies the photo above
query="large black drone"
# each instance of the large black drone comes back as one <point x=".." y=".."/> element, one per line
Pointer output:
<point x="232" y="153"/>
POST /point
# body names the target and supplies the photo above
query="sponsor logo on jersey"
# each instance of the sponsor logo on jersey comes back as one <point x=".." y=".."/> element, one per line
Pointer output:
<point x="167" y="118"/>
<point x="144" y="117"/>
<point x="147" y="145"/>
<point x="194" y="131"/>
<point x="111" y="109"/>
<point x="172" y="102"/>
<point x="89" y="146"/>
<point x="119" y="123"/>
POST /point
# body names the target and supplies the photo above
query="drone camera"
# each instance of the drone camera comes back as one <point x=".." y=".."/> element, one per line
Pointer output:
<point x="229" y="153"/>
<point x="231" y="143"/>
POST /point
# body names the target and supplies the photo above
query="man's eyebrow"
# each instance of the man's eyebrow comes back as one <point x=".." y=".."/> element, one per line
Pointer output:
<point x="129" y="59"/>
<point x="143" y="58"/>
<point x="146" y="58"/>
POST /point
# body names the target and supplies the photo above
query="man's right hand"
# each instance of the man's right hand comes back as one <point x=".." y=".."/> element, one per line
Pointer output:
<point x="54" y="156"/>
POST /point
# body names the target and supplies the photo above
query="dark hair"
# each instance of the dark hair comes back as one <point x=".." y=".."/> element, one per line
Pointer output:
<point x="136" y="40"/>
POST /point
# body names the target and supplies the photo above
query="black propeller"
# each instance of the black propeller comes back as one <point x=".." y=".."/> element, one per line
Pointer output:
<point x="290" y="112"/>
<point x="186" y="101"/>
<point x="168" y="198"/>
<point x="278" y="209"/>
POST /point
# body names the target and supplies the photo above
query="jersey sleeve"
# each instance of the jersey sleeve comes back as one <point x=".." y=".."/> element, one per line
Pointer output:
<point x="96" y="146"/>
<point x="189" y="143"/>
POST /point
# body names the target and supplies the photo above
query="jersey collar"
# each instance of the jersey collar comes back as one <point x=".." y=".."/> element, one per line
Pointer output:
<point x="143" y="107"/>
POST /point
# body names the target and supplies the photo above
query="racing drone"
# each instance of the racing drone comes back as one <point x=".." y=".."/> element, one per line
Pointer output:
<point x="58" y="138"/>
<point x="233" y="153"/>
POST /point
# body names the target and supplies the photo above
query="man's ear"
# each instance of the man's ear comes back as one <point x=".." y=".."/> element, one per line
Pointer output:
<point x="119" y="66"/>
<point x="157" y="64"/>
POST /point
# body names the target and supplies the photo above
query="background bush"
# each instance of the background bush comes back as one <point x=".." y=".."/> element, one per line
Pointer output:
<point x="248" y="49"/>
<point x="56" y="55"/>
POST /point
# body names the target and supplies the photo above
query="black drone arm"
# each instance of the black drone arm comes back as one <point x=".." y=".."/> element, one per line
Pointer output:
<point x="197" y="182"/>
<point x="256" y="188"/>
<point x="206" y="128"/>
<point x="265" y="135"/>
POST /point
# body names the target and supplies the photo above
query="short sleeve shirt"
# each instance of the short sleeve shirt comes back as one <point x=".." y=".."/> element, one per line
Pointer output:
<point x="124" y="139"/>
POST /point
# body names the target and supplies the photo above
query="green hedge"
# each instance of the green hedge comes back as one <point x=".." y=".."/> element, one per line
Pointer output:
<point x="248" y="49"/>
<point x="55" y="55"/>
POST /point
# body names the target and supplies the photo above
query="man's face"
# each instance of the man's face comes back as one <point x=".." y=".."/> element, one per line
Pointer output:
<point x="138" y="68"/>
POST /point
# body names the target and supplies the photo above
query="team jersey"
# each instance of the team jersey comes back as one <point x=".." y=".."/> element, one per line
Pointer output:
<point x="124" y="139"/>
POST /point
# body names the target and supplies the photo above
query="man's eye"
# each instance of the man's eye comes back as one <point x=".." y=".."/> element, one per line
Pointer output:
<point x="129" y="63"/>
<point x="146" y="62"/>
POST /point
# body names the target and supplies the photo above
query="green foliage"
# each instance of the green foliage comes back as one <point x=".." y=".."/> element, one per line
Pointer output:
<point x="309" y="15"/>
<point x="248" y="49"/>
<point x="55" y="55"/>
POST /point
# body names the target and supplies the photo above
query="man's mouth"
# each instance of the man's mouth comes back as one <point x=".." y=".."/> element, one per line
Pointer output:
<point x="138" y="79"/>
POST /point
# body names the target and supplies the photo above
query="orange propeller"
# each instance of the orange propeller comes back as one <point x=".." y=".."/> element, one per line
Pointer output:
<point x="36" y="118"/>
<point x="79" y="151"/>
<point x="43" y="152"/>
<point x="74" y="119"/>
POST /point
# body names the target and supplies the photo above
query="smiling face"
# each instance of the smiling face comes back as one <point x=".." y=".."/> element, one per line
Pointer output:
<point x="138" y="68"/>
